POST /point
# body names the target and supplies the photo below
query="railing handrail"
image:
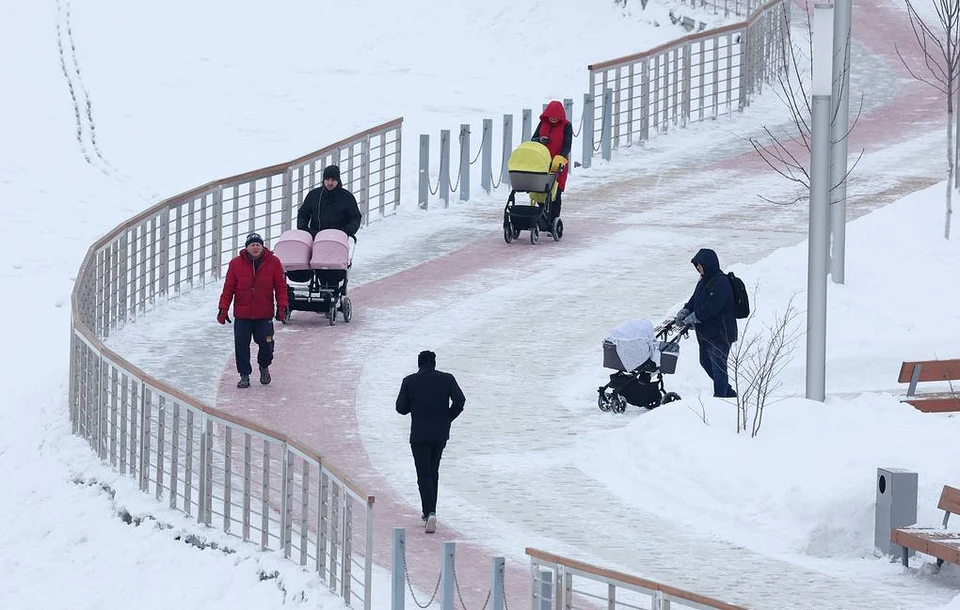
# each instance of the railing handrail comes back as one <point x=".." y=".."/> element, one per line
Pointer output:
<point x="643" y="583"/>
<point x="689" y="38"/>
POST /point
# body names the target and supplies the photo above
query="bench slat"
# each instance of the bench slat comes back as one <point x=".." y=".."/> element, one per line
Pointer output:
<point x="931" y="370"/>
<point x="950" y="499"/>
<point x="935" y="403"/>
<point x="936" y="543"/>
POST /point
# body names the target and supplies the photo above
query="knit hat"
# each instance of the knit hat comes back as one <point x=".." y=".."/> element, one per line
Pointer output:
<point x="331" y="171"/>
<point x="253" y="238"/>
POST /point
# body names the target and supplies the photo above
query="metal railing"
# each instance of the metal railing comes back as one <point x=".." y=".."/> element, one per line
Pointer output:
<point x="229" y="473"/>
<point x="740" y="8"/>
<point x="693" y="78"/>
<point x="558" y="581"/>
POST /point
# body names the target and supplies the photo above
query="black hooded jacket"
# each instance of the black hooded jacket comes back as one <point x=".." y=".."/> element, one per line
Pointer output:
<point x="323" y="209"/>
<point x="712" y="301"/>
<point x="433" y="399"/>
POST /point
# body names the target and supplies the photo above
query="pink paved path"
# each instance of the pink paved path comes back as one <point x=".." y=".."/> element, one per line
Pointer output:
<point x="315" y="378"/>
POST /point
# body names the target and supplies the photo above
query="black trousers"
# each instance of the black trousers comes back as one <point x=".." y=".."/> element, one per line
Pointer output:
<point x="260" y="331"/>
<point x="555" y="205"/>
<point x="713" y="359"/>
<point x="426" y="458"/>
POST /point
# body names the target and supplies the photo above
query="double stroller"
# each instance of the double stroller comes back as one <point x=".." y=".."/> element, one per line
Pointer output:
<point x="641" y="356"/>
<point x="529" y="168"/>
<point x="316" y="270"/>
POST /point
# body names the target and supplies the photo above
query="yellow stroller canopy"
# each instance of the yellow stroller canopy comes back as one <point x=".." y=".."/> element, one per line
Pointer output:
<point x="529" y="167"/>
<point x="530" y="157"/>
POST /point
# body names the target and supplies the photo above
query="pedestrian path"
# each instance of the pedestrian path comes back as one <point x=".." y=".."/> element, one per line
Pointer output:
<point x="507" y="318"/>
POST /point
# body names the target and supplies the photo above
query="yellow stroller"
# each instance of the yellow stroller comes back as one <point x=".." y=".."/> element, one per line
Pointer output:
<point x="529" y="167"/>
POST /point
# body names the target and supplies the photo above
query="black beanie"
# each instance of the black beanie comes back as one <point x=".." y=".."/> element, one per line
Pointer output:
<point x="253" y="238"/>
<point x="331" y="171"/>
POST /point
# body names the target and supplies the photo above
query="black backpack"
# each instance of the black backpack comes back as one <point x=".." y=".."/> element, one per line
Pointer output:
<point x="741" y="300"/>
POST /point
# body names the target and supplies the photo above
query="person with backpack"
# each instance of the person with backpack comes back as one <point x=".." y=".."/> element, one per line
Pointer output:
<point x="712" y="312"/>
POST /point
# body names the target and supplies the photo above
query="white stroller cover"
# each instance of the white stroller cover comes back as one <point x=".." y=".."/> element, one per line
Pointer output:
<point x="331" y="250"/>
<point x="636" y="342"/>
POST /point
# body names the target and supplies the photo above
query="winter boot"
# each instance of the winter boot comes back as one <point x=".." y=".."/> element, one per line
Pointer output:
<point x="264" y="375"/>
<point x="431" y="524"/>
<point x="244" y="381"/>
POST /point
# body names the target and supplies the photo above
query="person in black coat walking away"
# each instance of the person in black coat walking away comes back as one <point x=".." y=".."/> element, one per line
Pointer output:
<point x="710" y="311"/>
<point x="433" y="399"/>
<point x="329" y="206"/>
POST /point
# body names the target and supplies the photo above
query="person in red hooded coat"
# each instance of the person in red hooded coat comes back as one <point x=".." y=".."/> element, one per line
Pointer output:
<point x="254" y="276"/>
<point x="555" y="132"/>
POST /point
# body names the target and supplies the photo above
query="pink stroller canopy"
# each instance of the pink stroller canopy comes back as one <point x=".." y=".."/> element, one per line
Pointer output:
<point x="293" y="249"/>
<point x="331" y="250"/>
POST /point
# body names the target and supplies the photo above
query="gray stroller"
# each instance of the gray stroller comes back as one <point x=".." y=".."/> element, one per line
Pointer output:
<point x="641" y="356"/>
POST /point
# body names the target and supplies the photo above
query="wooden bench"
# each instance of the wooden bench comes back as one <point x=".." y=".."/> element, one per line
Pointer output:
<point x="937" y="542"/>
<point x="931" y="370"/>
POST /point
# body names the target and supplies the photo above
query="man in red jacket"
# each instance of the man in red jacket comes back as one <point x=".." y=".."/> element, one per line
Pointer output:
<point x="253" y="278"/>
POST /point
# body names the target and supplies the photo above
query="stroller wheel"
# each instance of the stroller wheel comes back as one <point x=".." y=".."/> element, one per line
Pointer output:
<point x="516" y="233"/>
<point x="556" y="229"/>
<point x="534" y="234"/>
<point x="332" y="314"/>
<point x="347" y="308"/>
<point x="603" y="402"/>
<point x="669" y="397"/>
<point x="619" y="404"/>
<point x="508" y="235"/>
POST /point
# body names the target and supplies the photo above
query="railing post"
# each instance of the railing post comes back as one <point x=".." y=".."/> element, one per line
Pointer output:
<point x="286" y="501"/>
<point x="464" y="162"/>
<point x="526" y="129"/>
<point x="447" y="576"/>
<point x="286" y="203"/>
<point x="397" y="571"/>
<point x="605" y="135"/>
<point x="586" y="130"/>
<point x="744" y="68"/>
<point x="217" y="232"/>
<point x="424" y="176"/>
<point x="568" y="110"/>
<point x="687" y="83"/>
<point x="486" y="156"/>
<point x="507" y="148"/>
<point x="497" y="589"/>
<point x="368" y="557"/>
<point x="445" y="167"/>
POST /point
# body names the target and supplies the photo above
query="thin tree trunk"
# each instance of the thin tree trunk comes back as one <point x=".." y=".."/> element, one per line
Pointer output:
<point x="950" y="173"/>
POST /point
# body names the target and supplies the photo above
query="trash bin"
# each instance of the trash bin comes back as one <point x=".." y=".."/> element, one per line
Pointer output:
<point x="896" y="506"/>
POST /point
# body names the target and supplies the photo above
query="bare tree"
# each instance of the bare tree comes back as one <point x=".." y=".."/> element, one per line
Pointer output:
<point x="941" y="58"/>
<point x="757" y="363"/>
<point x="787" y="150"/>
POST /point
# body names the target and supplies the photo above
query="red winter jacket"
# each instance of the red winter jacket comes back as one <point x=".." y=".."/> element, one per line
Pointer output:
<point x="252" y="289"/>
<point x="560" y="134"/>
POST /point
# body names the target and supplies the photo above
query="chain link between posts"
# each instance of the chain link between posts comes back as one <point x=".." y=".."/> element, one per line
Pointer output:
<point x="406" y="576"/>
<point x="456" y="584"/>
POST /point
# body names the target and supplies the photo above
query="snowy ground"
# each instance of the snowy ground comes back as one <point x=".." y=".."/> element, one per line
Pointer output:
<point x="228" y="93"/>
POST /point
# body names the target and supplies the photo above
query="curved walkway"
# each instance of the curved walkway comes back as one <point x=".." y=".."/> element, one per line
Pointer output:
<point x="515" y="322"/>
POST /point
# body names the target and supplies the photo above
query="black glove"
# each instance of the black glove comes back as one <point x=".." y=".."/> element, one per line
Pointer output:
<point x="543" y="139"/>
<point x="222" y="316"/>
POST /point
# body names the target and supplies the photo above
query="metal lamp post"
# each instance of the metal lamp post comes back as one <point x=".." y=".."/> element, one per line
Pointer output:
<point x="819" y="231"/>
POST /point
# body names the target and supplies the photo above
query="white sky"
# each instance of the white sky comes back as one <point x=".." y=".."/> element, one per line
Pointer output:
<point x="181" y="94"/>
